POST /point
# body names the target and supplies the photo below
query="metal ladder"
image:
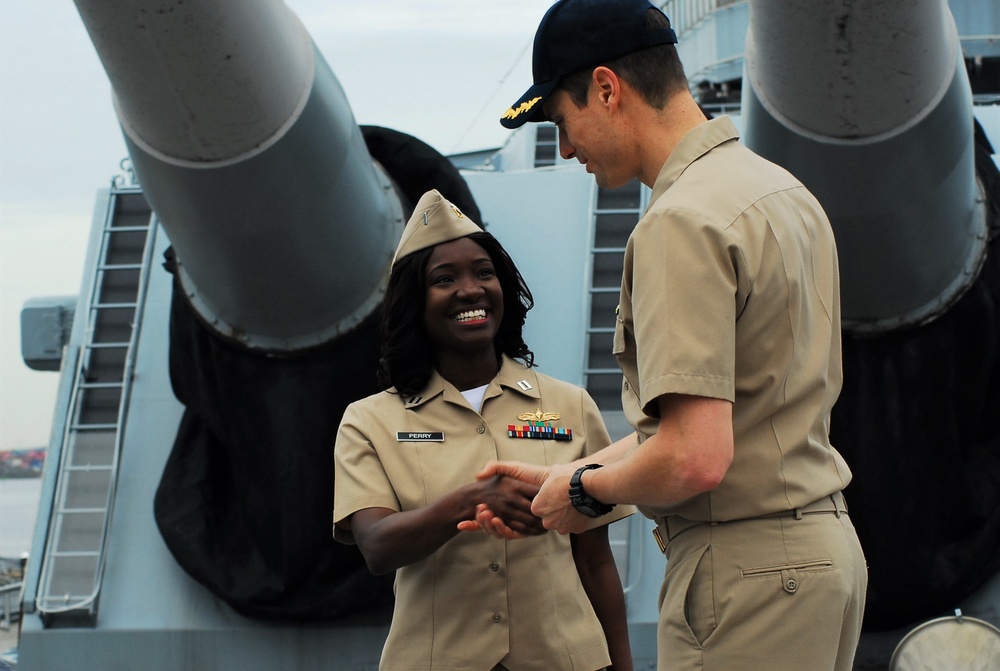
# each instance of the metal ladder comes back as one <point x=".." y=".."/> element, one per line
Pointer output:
<point x="615" y="215"/>
<point x="75" y="548"/>
<point x="616" y="212"/>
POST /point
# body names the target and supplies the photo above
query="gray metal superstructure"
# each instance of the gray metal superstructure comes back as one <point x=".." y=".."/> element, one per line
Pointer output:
<point x="253" y="242"/>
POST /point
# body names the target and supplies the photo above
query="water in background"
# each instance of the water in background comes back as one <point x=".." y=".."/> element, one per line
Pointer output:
<point x="18" y="509"/>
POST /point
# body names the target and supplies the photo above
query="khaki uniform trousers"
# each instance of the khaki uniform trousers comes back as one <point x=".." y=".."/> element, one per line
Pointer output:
<point x="777" y="593"/>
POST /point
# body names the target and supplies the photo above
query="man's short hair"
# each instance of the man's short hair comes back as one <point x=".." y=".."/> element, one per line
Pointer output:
<point x="655" y="73"/>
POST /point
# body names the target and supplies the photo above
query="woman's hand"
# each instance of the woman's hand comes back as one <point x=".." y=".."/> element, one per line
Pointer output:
<point x="508" y="501"/>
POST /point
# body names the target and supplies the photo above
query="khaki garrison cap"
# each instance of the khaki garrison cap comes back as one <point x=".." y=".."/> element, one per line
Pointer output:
<point x="435" y="220"/>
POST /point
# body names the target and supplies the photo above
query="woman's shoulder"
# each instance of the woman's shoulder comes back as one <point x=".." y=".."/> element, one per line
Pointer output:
<point x="379" y="402"/>
<point x="546" y="383"/>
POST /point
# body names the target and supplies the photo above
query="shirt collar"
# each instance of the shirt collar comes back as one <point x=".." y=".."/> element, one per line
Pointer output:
<point x="512" y="375"/>
<point x="696" y="143"/>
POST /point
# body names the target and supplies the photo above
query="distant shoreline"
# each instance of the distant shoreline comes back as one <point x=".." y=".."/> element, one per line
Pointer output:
<point x="26" y="463"/>
<point x="19" y="500"/>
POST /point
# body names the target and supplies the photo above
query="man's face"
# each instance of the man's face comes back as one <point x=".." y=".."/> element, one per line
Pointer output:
<point x="589" y="135"/>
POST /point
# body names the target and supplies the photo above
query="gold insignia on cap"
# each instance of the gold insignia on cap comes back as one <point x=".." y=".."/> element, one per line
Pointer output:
<point x="435" y="220"/>
<point x="526" y="106"/>
<point x="538" y="416"/>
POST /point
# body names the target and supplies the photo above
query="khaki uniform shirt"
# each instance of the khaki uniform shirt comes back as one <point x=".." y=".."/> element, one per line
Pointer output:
<point x="730" y="290"/>
<point x="477" y="600"/>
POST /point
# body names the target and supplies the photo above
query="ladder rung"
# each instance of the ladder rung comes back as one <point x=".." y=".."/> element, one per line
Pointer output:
<point x="608" y="250"/>
<point x="75" y="553"/>
<point x="617" y="210"/>
<point x="601" y="329"/>
<point x="99" y="385"/>
<point x="93" y="427"/>
<point x="89" y="467"/>
<point x="107" y="345"/>
<point x="125" y="229"/>
<point x="113" y="306"/>
<point x="605" y="290"/>
<point x="602" y="371"/>
<point x="120" y="266"/>
<point x="81" y="511"/>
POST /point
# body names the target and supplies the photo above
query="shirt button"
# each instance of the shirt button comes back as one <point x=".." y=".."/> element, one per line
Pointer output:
<point x="494" y="567"/>
<point x="496" y="617"/>
<point x="481" y="429"/>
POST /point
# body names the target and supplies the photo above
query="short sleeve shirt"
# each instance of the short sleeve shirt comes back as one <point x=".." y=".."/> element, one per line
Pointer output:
<point x="477" y="600"/>
<point x="730" y="290"/>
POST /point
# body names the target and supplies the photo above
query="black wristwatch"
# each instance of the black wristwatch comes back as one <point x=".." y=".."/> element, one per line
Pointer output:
<point x="581" y="500"/>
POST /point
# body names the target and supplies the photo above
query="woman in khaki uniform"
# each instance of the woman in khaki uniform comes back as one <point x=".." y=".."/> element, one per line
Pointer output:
<point x="406" y="460"/>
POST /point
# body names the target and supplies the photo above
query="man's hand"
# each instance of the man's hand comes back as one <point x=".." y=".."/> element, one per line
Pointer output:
<point x="552" y="502"/>
<point x="530" y="473"/>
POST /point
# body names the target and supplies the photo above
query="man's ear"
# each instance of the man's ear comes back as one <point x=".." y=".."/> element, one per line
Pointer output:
<point x="607" y="85"/>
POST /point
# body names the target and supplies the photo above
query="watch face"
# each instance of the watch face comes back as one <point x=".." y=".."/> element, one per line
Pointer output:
<point x="583" y="502"/>
<point x="586" y="505"/>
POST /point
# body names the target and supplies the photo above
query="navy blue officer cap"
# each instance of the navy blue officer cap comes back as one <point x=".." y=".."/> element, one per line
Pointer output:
<point x="578" y="34"/>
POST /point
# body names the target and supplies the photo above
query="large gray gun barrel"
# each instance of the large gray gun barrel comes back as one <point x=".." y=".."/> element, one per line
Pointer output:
<point x="869" y="104"/>
<point x="283" y="215"/>
<point x="248" y="151"/>
<point x="871" y="108"/>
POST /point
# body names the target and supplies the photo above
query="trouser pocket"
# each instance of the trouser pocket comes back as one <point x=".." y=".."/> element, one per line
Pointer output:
<point x="791" y="575"/>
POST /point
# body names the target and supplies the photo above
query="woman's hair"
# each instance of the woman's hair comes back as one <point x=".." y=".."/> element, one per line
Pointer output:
<point x="407" y="359"/>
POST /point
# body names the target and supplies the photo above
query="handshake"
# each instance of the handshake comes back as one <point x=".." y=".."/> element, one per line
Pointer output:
<point x="522" y="500"/>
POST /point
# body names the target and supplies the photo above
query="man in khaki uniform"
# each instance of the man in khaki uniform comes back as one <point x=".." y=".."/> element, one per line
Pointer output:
<point x="728" y="336"/>
<point x="406" y="461"/>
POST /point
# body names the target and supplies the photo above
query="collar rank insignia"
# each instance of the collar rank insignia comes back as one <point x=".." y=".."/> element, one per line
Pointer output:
<point x="539" y="426"/>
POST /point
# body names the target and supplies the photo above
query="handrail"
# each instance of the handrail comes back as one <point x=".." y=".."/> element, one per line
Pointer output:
<point x="7" y="592"/>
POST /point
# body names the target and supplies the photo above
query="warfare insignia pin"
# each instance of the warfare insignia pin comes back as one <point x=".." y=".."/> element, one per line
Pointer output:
<point x="539" y="426"/>
<point x="538" y="416"/>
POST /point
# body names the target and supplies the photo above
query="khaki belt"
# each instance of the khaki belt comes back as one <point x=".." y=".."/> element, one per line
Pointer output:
<point x="673" y="526"/>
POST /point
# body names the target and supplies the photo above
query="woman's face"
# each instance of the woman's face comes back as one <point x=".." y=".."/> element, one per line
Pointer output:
<point x="464" y="301"/>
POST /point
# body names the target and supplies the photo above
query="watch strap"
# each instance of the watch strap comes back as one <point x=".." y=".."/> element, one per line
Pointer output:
<point x="583" y="502"/>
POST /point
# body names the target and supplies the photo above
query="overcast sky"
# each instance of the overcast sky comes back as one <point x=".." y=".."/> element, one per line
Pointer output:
<point x="442" y="70"/>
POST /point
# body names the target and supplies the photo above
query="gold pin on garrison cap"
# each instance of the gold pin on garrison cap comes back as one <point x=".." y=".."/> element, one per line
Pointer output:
<point x="435" y="220"/>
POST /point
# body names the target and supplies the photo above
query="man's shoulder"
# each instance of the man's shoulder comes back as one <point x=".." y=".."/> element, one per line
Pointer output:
<point x="723" y="182"/>
<point x="735" y="160"/>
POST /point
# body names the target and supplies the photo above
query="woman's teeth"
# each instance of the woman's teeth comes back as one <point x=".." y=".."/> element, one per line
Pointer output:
<point x="470" y="315"/>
